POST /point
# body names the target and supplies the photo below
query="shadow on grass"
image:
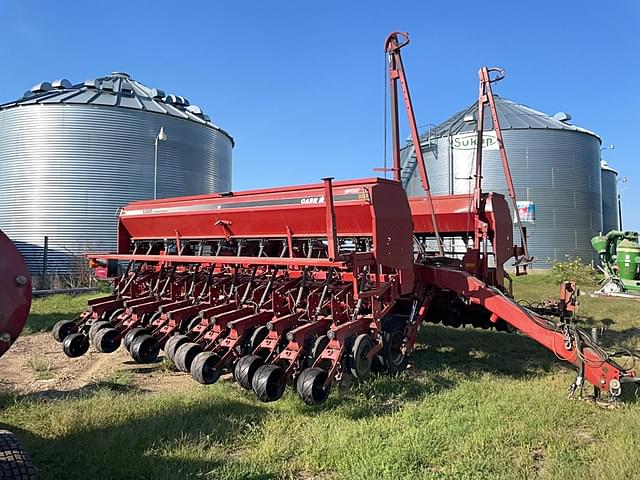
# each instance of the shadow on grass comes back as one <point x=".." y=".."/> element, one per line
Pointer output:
<point x="158" y="442"/>
<point x="197" y="437"/>
<point x="44" y="322"/>
<point x="443" y="358"/>
<point x="111" y="384"/>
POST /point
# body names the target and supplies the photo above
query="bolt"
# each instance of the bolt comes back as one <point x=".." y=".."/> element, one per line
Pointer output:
<point x="21" y="280"/>
<point x="5" y="337"/>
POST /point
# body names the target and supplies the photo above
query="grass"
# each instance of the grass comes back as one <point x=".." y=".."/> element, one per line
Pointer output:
<point x="475" y="405"/>
<point x="47" y="311"/>
<point x="120" y="380"/>
<point x="40" y="367"/>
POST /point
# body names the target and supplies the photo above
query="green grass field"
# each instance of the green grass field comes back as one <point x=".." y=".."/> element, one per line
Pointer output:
<point x="474" y="405"/>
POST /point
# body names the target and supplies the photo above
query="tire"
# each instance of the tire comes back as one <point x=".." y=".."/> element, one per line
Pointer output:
<point x="107" y="340"/>
<point x="360" y="361"/>
<point x="245" y="369"/>
<point x="185" y="354"/>
<point x="269" y="383"/>
<point x="393" y="358"/>
<point x="258" y="335"/>
<point x="172" y="345"/>
<point x="96" y="327"/>
<point x="131" y="335"/>
<point x="203" y="368"/>
<point x="63" y="329"/>
<point x="15" y="462"/>
<point x="310" y="386"/>
<point x="145" y="349"/>
<point x="114" y="316"/>
<point x="193" y="323"/>
<point x="75" y="345"/>
<point x="318" y="346"/>
<point x="151" y="317"/>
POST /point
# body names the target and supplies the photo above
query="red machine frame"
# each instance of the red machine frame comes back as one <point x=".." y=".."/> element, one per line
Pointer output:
<point x="316" y="282"/>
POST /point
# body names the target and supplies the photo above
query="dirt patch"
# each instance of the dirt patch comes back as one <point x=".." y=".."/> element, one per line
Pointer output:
<point x="36" y="364"/>
<point x="584" y="435"/>
<point x="537" y="455"/>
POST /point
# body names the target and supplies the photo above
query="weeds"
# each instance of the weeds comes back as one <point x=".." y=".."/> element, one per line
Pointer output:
<point x="119" y="380"/>
<point x="574" y="269"/>
<point x="167" y="366"/>
<point x="41" y="368"/>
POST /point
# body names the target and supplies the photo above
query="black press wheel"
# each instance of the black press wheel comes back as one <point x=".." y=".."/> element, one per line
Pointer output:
<point x="145" y="349"/>
<point x="318" y="346"/>
<point x="245" y="368"/>
<point x="151" y="317"/>
<point x="360" y="361"/>
<point x="15" y="462"/>
<point x="393" y="353"/>
<point x="75" y="345"/>
<point x="172" y="345"/>
<point x="107" y="340"/>
<point x="114" y="316"/>
<point x="95" y="327"/>
<point x="258" y="335"/>
<point x="311" y="388"/>
<point x="269" y="383"/>
<point x="63" y="329"/>
<point x="193" y="323"/>
<point x="185" y="354"/>
<point x="131" y="335"/>
<point x="203" y="368"/>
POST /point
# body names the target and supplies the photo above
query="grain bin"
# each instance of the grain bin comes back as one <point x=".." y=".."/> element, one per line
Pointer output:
<point x="555" y="166"/>
<point x="610" y="214"/>
<point x="71" y="155"/>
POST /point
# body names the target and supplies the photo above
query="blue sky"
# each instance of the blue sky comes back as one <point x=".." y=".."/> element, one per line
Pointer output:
<point x="300" y="85"/>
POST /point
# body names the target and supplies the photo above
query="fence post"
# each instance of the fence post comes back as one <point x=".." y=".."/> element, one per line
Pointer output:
<point x="45" y="259"/>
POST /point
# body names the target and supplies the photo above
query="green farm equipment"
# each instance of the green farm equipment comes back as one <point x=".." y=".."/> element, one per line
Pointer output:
<point x="620" y="257"/>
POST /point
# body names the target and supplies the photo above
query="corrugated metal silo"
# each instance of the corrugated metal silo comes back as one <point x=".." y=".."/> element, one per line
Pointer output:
<point x="554" y="164"/>
<point x="610" y="215"/>
<point x="71" y="155"/>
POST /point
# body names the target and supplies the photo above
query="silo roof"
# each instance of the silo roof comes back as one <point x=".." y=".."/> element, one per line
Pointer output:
<point x="512" y="116"/>
<point x="115" y="90"/>
<point x="605" y="166"/>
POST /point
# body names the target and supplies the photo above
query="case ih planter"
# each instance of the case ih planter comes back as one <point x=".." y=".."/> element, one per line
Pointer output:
<point x="307" y="285"/>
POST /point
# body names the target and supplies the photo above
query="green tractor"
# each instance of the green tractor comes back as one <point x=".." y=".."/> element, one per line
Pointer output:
<point x="620" y="257"/>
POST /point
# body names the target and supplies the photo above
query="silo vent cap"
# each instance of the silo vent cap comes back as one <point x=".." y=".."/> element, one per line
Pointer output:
<point x="108" y="85"/>
<point x="157" y="93"/>
<point x="563" y="117"/>
<point x="41" y="87"/>
<point x="120" y="74"/>
<point x="195" y="109"/>
<point x="61" y="83"/>
<point x="176" y="100"/>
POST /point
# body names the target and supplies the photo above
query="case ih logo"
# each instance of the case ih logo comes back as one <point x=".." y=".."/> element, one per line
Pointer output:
<point x="310" y="200"/>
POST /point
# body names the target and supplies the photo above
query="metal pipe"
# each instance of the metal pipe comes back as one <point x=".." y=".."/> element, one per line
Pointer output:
<point x="620" y="211"/>
<point x="45" y="259"/>
<point x="325" y="289"/>
<point x="268" y="288"/>
<point x="65" y="291"/>
<point x="330" y="214"/>
<point x="155" y="170"/>
<point x="393" y="44"/>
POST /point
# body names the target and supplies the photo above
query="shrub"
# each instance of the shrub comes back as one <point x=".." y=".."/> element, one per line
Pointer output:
<point x="574" y="269"/>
